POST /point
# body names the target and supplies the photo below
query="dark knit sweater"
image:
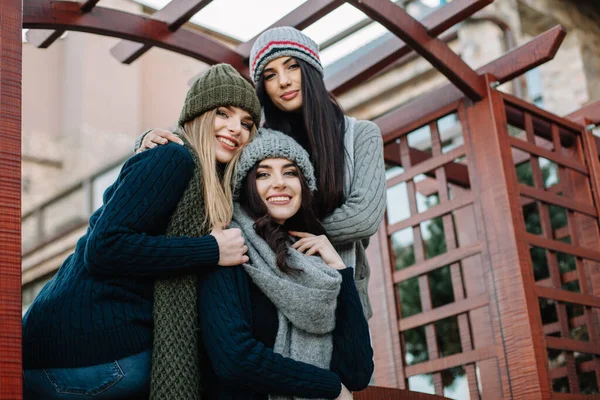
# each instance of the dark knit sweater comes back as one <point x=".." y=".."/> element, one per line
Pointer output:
<point x="98" y="307"/>
<point x="239" y="324"/>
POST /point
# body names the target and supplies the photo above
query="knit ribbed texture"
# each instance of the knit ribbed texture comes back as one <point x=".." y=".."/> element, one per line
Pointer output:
<point x="176" y="349"/>
<point x="270" y="143"/>
<point x="237" y="358"/>
<point x="352" y="357"/>
<point x="283" y="41"/>
<point x="98" y="307"/>
<point x="350" y="226"/>
<point x="220" y="85"/>
<point x="306" y="302"/>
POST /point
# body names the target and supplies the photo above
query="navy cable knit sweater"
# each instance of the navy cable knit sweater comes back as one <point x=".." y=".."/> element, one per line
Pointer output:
<point x="239" y="325"/>
<point x="98" y="307"/>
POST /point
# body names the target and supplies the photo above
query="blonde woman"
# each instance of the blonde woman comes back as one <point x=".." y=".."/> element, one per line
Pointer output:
<point x="89" y="333"/>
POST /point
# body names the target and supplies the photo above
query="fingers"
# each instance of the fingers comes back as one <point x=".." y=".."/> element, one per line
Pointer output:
<point x="158" y="140"/>
<point x="165" y="136"/>
<point x="303" y="244"/>
<point x="300" y="234"/>
<point x="309" y="241"/>
<point x="314" y="250"/>
<point x="309" y="244"/>
<point x="160" y="136"/>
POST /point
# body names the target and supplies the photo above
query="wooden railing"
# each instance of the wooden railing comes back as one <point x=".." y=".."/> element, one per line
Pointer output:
<point x="382" y="393"/>
<point x="41" y="226"/>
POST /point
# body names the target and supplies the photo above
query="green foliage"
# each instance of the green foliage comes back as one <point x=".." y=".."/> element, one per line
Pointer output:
<point x="440" y="282"/>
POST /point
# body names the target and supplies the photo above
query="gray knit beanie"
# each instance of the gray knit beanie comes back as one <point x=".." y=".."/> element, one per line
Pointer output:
<point x="270" y="143"/>
<point x="220" y="85"/>
<point x="279" y="42"/>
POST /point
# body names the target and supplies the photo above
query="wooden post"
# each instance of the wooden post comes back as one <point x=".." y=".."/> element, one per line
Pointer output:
<point x="495" y="182"/>
<point x="11" y="22"/>
<point x="385" y="337"/>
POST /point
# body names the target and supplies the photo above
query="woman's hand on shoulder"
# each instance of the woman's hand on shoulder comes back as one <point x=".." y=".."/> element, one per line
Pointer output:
<point x="157" y="137"/>
<point x="310" y="244"/>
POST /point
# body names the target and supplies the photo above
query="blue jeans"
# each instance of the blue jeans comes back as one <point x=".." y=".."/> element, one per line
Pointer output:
<point x="127" y="378"/>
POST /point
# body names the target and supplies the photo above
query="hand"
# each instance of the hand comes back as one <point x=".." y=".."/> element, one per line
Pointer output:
<point x="345" y="394"/>
<point x="311" y="244"/>
<point x="156" y="137"/>
<point x="232" y="247"/>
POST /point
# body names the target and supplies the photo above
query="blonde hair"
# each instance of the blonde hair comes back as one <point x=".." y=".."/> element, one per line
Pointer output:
<point x="218" y="196"/>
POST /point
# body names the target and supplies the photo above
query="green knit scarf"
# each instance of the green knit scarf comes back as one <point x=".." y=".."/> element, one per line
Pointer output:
<point x="176" y="348"/>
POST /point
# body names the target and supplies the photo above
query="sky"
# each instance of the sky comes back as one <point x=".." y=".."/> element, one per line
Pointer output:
<point x="252" y="17"/>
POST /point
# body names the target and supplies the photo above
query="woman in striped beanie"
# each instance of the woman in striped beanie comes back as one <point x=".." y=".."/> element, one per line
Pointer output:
<point x="350" y="201"/>
<point x="347" y="154"/>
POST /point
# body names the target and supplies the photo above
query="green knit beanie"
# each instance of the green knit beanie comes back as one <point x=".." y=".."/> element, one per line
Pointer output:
<point x="220" y="85"/>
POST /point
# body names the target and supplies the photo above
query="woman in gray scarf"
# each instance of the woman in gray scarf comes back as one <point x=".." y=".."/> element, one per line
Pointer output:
<point x="289" y="323"/>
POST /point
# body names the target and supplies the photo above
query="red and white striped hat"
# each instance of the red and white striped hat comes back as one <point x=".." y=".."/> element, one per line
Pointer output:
<point x="280" y="42"/>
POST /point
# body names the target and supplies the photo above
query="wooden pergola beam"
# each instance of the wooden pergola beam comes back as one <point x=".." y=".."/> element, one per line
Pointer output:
<point x="532" y="54"/>
<point x="303" y="16"/>
<point x="415" y="35"/>
<point x="43" y="38"/>
<point x="383" y="55"/>
<point x="589" y="112"/>
<point x="123" y="25"/>
<point x="518" y="61"/>
<point x="174" y="14"/>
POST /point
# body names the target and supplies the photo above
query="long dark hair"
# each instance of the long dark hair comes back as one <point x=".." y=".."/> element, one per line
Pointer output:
<point x="319" y="128"/>
<point x="274" y="234"/>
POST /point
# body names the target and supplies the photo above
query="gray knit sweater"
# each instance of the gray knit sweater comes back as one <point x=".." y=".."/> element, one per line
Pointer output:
<point x="351" y="225"/>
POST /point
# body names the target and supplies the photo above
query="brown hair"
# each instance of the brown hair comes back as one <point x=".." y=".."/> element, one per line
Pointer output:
<point x="274" y="234"/>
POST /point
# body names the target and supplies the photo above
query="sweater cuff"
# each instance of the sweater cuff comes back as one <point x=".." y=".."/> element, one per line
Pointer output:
<point x="347" y="276"/>
<point x="207" y="251"/>
<point x="348" y="286"/>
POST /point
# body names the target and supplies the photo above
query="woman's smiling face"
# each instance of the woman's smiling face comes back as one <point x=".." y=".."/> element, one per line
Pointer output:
<point x="283" y="83"/>
<point x="278" y="185"/>
<point x="232" y="131"/>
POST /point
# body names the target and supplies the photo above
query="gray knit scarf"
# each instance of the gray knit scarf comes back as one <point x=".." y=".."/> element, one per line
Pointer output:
<point x="306" y="301"/>
<point x="176" y="347"/>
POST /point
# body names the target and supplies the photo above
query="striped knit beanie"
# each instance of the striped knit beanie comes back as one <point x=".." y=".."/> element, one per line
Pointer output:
<point x="221" y="85"/>
<point x="269" y="143"/>
<point x="279" y="42"/>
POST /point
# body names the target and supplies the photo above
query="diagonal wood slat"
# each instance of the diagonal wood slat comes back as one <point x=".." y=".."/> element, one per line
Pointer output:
<point x="457" y="173"/>
<point x="383" y="55"/>
<point x="174" y="14"/>
<point x="544" y="45"/>
<point x="303" y="16"/>
<point x="589" y="112"/>
<point x="123" y="25"/>
<point x="537" y="51"/>
<point x="438" y="53"/>
<point x="44" y="38"/>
